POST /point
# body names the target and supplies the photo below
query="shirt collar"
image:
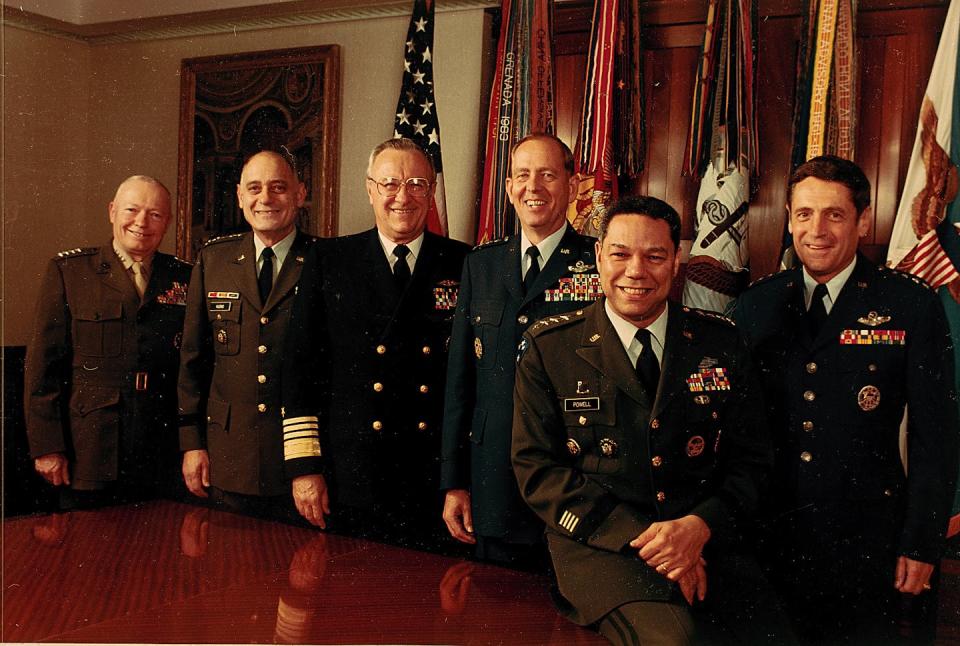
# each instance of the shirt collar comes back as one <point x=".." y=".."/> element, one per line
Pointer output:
<point x="627" y="331"/>
<point x="834" y="285"/>
<point x="127" y="261"/>
<point x="389" y="245"/>
<point x="546" y="247"/>
<point x="280" y="250"/>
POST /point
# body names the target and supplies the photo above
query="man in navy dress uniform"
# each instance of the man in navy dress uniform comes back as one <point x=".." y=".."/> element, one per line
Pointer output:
<point x="844" y="347"/>
<point x="506" y="286"/>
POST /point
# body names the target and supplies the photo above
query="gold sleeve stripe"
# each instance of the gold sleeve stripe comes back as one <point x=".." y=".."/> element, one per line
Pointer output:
<point x="308" y="447"/>
<point x="569" y="521"/>
<point x="301" y="420"/>
<point x="293" y="428"/>
<point x="288" y="436"/>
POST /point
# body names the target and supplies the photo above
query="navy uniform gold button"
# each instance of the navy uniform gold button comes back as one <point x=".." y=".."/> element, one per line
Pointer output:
<point x="426" y="349"/>
<point x="661" y="496"/>
<point x="262" y="379"/>
<point x="377" y="425"/>
<point x="808" y="425"/>
<point x="655" y="424"/>
<point x="378" y="387"/>
<point x="656" y="461"/>
<point x="809" y="395"/>
<point x="806" y="456"/>
<point x="262" y="349"/>
<point x="381" y="349"/>
<point x="424" y="389"/>
<point x="522" y="319"/>
<point x="812" y="368"/>
<point x="264" y="320"/>
<point x="422" y="426"/>
<point x="262" y="408"/>
<point x="872" y="367"/>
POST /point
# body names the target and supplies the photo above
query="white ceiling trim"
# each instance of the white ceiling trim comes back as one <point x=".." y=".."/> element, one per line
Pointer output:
<point x="12" y="18"/>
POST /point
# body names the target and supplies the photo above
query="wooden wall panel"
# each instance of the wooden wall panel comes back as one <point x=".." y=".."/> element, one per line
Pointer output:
<point x="896" y="48"/>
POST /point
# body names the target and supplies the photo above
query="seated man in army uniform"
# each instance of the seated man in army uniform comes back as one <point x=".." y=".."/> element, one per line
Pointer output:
<point x="639" y="441"/>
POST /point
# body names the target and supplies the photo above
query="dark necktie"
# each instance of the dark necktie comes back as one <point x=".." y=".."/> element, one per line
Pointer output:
<point x="534" y="270"/>
<point x="265" y="279"/>
<point x="648" y="368"/>
<point x="401" y="270"/>
<point x="817" y="314"/>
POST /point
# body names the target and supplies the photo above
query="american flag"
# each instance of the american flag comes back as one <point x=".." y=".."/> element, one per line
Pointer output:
<point x="416" y="108"/>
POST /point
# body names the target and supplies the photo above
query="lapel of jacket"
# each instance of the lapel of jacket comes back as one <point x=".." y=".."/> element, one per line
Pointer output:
<point x="115" y="276"/>
<point x="412" y="297"/>
<point x="556" y="266"/>
<point x="289" y="272"/>
<point x="679" y="340"/>
<point x="376" y="293"/>
<point x="849" y="304"/>
<point x="601" y="348"/>
<point x="511" y="269"/>
<point x="244" y="266"/>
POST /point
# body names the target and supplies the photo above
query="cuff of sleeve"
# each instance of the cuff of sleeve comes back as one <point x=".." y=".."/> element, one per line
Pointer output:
<point x="190" y="438"/>
<point x="716" y="514"/>
<point x="301" y="438"/>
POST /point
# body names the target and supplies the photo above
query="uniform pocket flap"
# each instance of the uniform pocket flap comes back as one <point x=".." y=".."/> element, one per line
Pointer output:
<point x="486" y="312"/>
<point x="86" y="399"/>
<point x="106" y="311"/>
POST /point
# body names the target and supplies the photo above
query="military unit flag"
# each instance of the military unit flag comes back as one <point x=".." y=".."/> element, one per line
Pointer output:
<point x="416" y="108"/>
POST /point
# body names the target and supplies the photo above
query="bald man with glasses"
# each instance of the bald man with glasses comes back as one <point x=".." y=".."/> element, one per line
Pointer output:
<point x="367" y="354"/>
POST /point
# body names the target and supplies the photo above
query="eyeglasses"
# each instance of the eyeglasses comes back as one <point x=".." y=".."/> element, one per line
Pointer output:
<point x="390" y="186"/>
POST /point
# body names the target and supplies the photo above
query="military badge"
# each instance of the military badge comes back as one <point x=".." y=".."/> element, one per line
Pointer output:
<point x="580" y="267"/>
<point x="572" y="446"/>
<point x="707" y="362"/>
<point x="445" y="295"/>
<point x="579" y="287"/>
<point x="222" y="336"/>
<point x="703" y="400"/>
<point x="873" y="320"/>
<point x="608" y="447"/>
<point x="695" y="446"/>
<point x="176" y="295"/>
<point x="233" y="296"/>
<point x="873" y="337"/>
<point x="521" y="349"/>
<point x="478" y="348"/>
<point x="868" y="398"/>
<point x="708" y="379"/>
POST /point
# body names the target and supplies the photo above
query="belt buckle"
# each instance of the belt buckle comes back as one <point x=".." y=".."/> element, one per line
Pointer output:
<point x="140" y="380"/>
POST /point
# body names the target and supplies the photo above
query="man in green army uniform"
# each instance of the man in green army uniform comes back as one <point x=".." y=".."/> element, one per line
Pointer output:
<point x="639" y="441"/>
<point x="102" y="364"/>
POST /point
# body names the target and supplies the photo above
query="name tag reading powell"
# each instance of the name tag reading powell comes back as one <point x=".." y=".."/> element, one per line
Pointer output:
<point x="571" y="404"/>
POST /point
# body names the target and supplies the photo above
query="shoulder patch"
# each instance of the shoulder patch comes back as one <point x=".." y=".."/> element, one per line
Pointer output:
<point x="905" y="275"/>
<point x="219" y="239"/>
<point x="555" y="322"/>
<point x="707" y="314"/>
<point x="79" y="251"/>
<point x="769" y="277"/>
<point x="491" y="243"/>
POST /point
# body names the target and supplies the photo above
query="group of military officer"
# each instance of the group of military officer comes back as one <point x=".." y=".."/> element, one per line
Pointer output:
<point x="538" y="386"/>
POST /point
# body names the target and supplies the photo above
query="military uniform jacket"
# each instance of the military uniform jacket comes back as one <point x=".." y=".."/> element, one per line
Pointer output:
<point x="598" y="459"/>
<point x="365" y="369"/>
<point x="837" y="400"/>
<point x="231" y="362"/>
<point x="102" y="365"/>
<point x="492" y="314"/>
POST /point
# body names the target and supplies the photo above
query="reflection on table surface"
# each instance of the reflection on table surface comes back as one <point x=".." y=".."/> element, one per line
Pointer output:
<point x="168" y="572"/>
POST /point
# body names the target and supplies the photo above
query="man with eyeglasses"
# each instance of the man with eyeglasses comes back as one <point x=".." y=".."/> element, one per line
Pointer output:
<point x="507" y="285"/>
<point x="367" y="353"/>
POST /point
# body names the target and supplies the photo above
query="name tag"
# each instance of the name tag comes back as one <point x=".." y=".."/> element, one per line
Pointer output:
<point x="572" y="404"/>
<point x="221" y="307"/>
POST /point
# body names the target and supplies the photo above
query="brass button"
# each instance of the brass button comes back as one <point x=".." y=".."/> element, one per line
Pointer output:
<point x="264" y="320"/>
<point x="656" y="461"/>
<point x="522" y="319"/>
<point x="378" y="387"/>
<point x="422" y="426"/>
<point x="888" y="493"/>
<point x="809" y="395"/>
<point x="381" y="349"/>
<point x="806" y="456"/>
<point x="661" y="496"/>
<point x="262" y="379"/>
<point x="262" y="408"/>
<point x="655" y="424"/>
<point x="377" y="425"/>
<point x="209" y="419"/>
<point x="872" y="367"/>
<point x="808" y="425"/>
<point x="608" y="447"/>
<point x="262" y="349"/>
<point x="572" y="446"/>
<point x="812" y="368"/>
<point x="476" y="319"/>
<point x="714" y="415"/>
<point x="424" y="389"/>
<point x="426" y="349"/>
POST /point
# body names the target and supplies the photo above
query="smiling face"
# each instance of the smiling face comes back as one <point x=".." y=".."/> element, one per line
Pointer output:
<point x="270" y="195"/>
<point x="637" y="261"/>
<point x="140" y="213"/>
<point x="401" y="217"/>
<point x="825" y="226"/>
<point x="539" y="187"/>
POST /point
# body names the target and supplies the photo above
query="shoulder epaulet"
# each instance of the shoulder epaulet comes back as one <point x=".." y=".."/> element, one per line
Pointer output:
<point x="79" y="251"/>
<point x="555" y="322"/>
<point x="707" y="314"/>
<point x="491" y="243"/>
<point x="905" y="275"/>
<point x="185" y="263"/>
<point x="219" y="239"/>
<point x="769" y="277"/>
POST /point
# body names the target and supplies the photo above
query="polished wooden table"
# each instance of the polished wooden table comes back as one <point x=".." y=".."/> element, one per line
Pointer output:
<point x="166" y="572"/>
